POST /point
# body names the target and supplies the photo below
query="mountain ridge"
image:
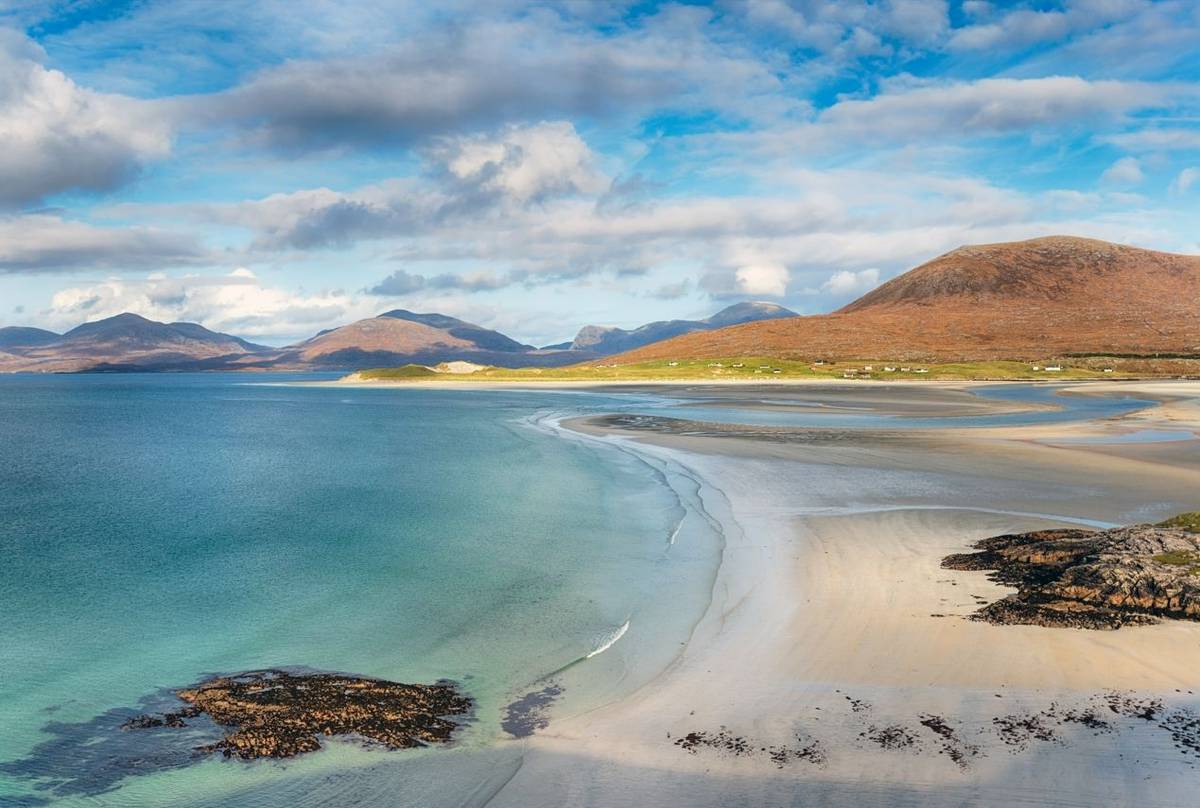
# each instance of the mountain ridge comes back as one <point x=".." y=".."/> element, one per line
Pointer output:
<point x="1053" y="295"/>
<point x="611" y="340"/>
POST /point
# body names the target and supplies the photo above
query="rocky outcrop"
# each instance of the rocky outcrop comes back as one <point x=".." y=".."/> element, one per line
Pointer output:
<point x="277" y="714"/>
<point x="1091" y="579"/>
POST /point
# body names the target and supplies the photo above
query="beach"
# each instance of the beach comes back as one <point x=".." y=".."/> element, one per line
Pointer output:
<point x="836" y="663"/>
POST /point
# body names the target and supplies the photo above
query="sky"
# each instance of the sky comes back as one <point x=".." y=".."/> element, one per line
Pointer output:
<point x="275" y="168"/>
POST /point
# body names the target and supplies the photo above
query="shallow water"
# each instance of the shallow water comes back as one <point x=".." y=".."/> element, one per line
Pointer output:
<point x="1136" y="436"/>
<point x="1063" y="407"/>
<point x="159" y="528"/>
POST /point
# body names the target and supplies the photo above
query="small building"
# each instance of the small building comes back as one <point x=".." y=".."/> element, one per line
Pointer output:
<point x="673" y="364"/>
<point x="1108" y="370"/>
<point x="1053" y="368"/>
<point x="921" y="370"/>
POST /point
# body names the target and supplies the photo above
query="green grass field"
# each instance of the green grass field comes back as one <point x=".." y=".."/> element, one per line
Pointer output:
<point x="1188" y="521"/>
<point x="745" y="368"/>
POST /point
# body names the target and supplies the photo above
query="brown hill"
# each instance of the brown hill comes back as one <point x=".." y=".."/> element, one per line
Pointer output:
<point x="1021" y="300"/>
<point x="401" y="337"/>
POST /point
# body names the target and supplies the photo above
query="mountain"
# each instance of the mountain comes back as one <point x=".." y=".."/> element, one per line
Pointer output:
<point x="17" y="337"/>
<point x="401" y="337"/>
<point x="603" y="340"/>
<point x="1021" y="300"/>
<point x="123" y="342"/>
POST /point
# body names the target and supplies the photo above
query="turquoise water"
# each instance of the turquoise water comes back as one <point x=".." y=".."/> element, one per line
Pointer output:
<point x="159" y="528"/>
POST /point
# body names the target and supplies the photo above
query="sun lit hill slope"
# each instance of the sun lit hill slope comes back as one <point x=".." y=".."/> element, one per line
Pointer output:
<point x="1054" y="296"/>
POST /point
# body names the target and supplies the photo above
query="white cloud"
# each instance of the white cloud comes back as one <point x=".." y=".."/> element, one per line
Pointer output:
<point x="1186" y="179"/>
<point x="524" y="163"/>
<point x="1126" y="171"/>
<point x="763" y="279"/>
<point x="1157" y="140"/>
<point x="847" y="282"/>
<point x="48" y="243"/>
<point x="237" y="303"/>
<point x="1023" y="26"/>
<point x="57" y="136"/>
<point x="987" y="106"/>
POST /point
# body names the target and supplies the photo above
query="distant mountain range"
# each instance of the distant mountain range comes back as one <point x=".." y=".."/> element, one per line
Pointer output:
<point x="607" y="340"/>
<point x="1051" y="296"/>
<point x="124" y="342"/>
<point x="128" y="342"/>
<point x="1022" y="300"/>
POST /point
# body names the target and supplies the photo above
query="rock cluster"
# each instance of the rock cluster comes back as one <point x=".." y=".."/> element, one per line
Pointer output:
<point x="1079" y="578"/>
<point x="278" y="714"/>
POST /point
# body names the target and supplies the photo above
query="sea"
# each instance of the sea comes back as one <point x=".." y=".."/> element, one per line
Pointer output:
<point x="159" y="529"/>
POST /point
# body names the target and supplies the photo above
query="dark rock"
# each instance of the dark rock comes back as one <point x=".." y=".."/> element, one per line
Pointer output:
<point x="1103" y="579"/>
<point x="274" y="713"/>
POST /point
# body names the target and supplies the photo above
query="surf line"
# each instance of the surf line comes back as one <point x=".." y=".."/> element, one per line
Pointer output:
<point x="608" y="642"/>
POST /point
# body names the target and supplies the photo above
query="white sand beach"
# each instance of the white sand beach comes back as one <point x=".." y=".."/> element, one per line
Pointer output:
<point x="836" y="664"/>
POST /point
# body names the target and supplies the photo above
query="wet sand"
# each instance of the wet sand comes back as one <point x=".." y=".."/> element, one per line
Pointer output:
<point x="836" y="664"/>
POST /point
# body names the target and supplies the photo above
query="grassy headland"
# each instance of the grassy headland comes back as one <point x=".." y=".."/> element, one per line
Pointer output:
<point x="765" y="369"/>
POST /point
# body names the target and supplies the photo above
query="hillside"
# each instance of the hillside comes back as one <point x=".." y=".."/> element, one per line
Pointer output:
<point x="17" y="337"/>
<point x="403" y="337"/>
<point x="607" y="340"/>
<point x="123" y="342"/>
<point x="1050" y="296"/>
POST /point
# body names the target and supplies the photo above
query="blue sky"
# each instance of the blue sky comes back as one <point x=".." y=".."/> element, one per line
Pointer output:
<point x="291" y="165"/>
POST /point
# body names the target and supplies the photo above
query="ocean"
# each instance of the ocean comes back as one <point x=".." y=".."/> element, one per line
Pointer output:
<point x="157" y="529"/>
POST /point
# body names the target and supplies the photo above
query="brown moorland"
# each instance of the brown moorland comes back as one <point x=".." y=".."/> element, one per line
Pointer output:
<point x="1053" y="296"/>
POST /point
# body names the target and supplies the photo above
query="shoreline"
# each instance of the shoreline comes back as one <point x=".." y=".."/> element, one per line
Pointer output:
<point x="836" y="644"/>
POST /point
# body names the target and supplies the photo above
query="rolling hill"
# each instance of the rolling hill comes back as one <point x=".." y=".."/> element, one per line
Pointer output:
<point x="402" y="337"/>
<point x="1058" y="295"/>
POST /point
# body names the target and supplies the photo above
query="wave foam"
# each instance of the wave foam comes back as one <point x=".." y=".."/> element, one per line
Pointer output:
<point x="609" y="641"/>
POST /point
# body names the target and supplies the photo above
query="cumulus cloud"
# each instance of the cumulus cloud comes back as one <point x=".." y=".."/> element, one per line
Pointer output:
<point x="1022" y="27"/>
<point x="56" y="136"/>
<point x="672" y="291"/>
<point x="482" y="73"/>
<point x="397" y="284"/>
<point x="1125" y="171"/>
<point x="467" y="178"/>
<point x="830" y="27"/>
<point x="847" y="282"/>
<point x="237" y="303"/>
<point x="43" y="243"/>
<point x="987" y="106"/>
<point x="401" y="283"/>
<point x="523" y="163"/>
<point x="1186" y="179"/>
<point x="762" y="279"/>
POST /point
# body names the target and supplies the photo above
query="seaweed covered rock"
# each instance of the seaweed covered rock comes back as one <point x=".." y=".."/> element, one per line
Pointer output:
<point x="279" y="714"/>
<point x="1099" y="579"/>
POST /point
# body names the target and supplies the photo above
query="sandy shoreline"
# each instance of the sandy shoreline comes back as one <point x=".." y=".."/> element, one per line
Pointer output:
<point x="836" y="664"/>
